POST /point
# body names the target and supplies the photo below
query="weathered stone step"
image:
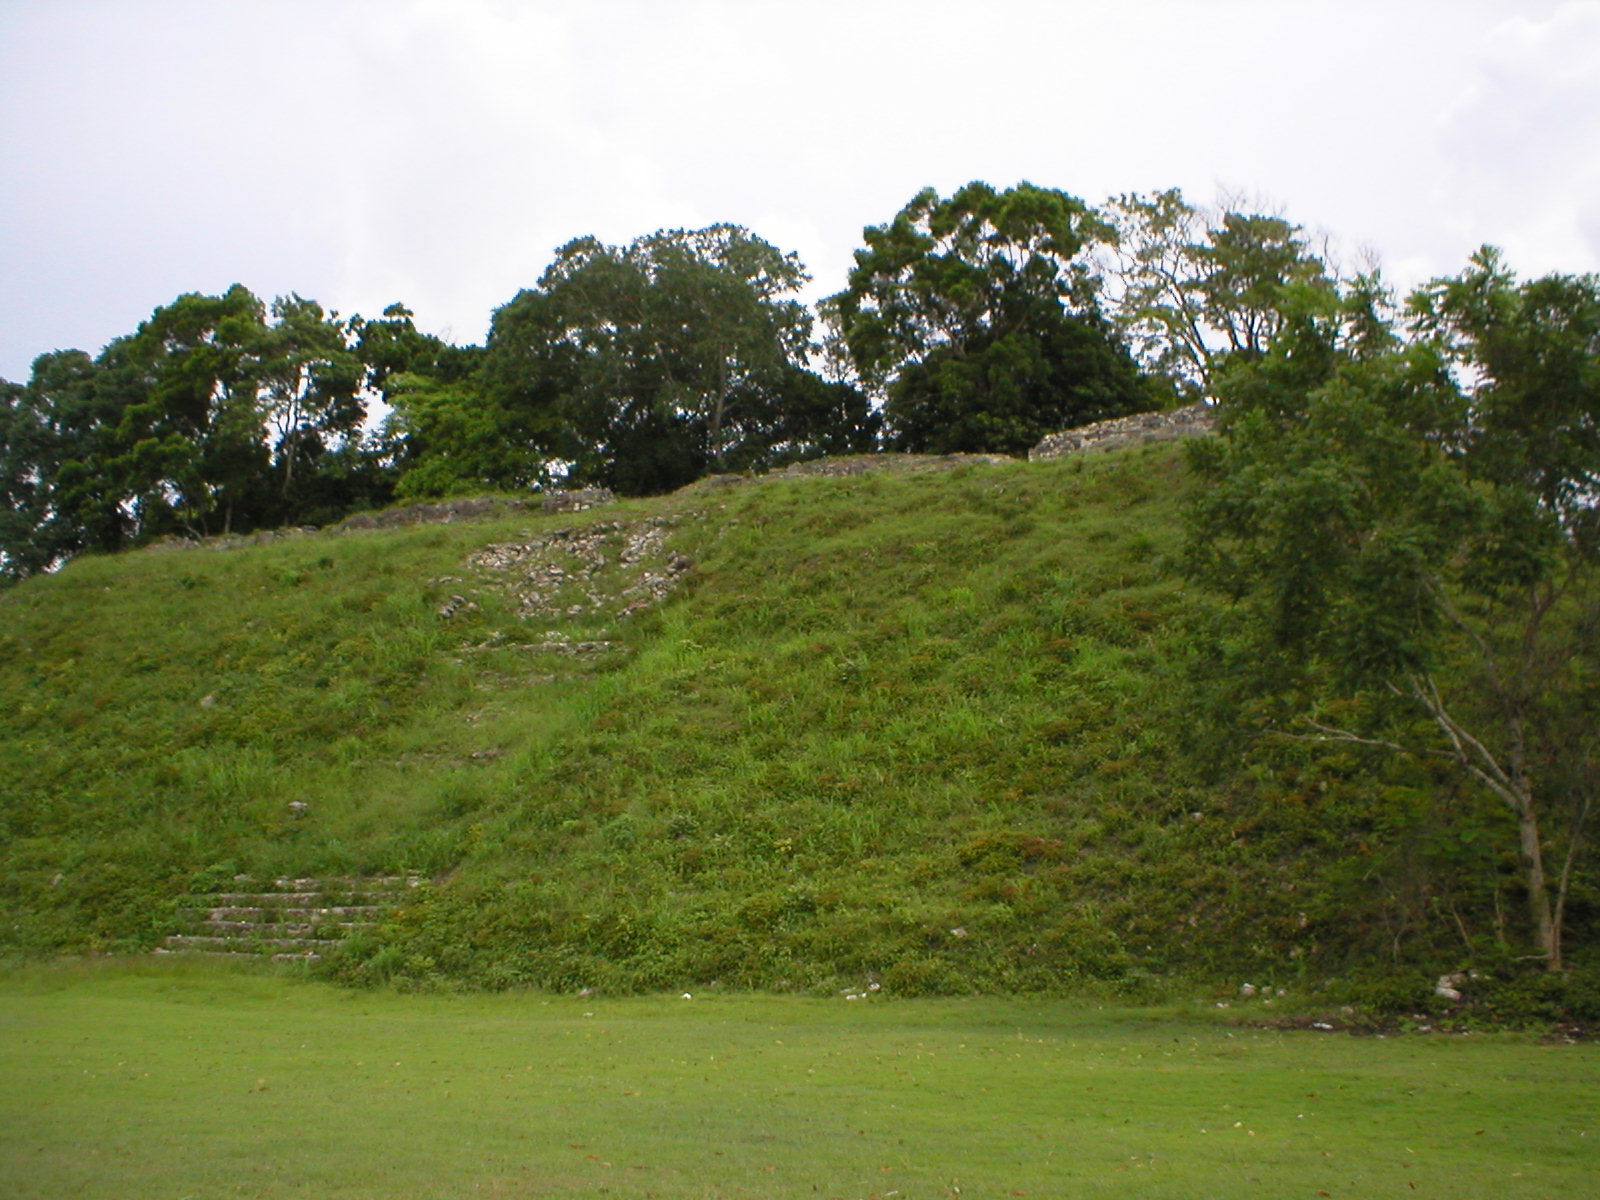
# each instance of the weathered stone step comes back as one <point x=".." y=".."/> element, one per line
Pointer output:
<point x="244" y="945"/>
<point x="286" y="918"/>
<point x="318" y="929"/>
<point x="334" y="883"/>
<point x="252" y="955"/>
<point x="291" y="899"/>
<point x="279" y="916"/>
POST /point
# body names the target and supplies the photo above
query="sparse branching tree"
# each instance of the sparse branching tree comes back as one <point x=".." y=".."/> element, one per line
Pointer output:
<point x="1410" y="535"/>
<point x="1193" y="290"/>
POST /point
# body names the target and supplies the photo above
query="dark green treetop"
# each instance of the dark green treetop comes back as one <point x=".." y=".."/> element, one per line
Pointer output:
<point x="642" y="366"/>
<point x="975" y="322"/>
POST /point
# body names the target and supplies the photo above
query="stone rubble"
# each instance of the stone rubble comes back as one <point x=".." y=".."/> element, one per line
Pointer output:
<point x="1194" y="421"/>
<point x="611" y="568"/>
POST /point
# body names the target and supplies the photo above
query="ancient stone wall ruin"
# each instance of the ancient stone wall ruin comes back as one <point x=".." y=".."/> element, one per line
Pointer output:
<point x="1115" y="434"/>
<point x="436" y="512"/>
<point x="446" y="511"/>
<point x="1193" y="421"/>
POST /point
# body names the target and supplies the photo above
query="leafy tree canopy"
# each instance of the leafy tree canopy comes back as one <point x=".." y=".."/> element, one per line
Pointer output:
<point x="973" y="319"/>
<point x="217" y="413"/>
<point x="642" y="366"/>
<point x="1193" y="290"/>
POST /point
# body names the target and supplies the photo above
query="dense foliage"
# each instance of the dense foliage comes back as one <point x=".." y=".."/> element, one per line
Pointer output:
<point x="978" y="322"/>
<point x="975" y="323"/>
<point x="1409" y="528"/>
<point x="218" y="414"/>
<point x="651" y="364"/>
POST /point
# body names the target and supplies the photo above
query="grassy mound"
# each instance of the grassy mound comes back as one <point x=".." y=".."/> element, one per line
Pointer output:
<point x="930" y="730"/>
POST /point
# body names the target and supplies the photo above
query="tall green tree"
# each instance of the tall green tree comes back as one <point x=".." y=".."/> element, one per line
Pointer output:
<point x="26" y="455"/>
<point x="1410" y="535"/>
<point x="642" y="366"/>
<point x="451" y="437"/>
<point x="392" y="345"/>
<point x="1193" y="291"/>
<point x="238" y="414"/>
<point x="308" y="383"/>
<point x="216" y="414"/>
<point x="62" y="464"/>
<point x="441" y="434"/>
<point x="973" y="319"/>
<point x="191" y="431"/>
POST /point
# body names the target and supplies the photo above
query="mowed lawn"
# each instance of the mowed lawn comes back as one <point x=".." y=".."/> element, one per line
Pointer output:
<point x="188" y="1080"/>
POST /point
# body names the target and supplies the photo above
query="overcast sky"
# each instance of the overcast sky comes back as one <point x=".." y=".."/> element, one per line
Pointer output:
<point x="436" y="152"/>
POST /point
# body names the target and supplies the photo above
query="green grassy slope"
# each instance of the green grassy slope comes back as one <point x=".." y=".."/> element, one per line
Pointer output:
<point x="933" y="730"/>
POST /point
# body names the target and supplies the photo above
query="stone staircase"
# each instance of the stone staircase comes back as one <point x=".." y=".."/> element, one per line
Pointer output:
<point x="288" y="920"/>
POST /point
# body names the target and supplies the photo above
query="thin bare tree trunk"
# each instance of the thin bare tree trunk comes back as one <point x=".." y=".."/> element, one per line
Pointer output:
<point x="1547" y="933"/>
<point x="1509" y="781"/>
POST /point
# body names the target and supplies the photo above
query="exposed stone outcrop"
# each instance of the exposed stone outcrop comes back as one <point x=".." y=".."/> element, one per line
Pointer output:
<point x="1194" y="421"/>
<point x="611" y="569"/>
<point x="857" y="464"/>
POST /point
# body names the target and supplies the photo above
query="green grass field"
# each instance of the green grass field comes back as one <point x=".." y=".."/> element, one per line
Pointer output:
<point x="172" y="1080"/>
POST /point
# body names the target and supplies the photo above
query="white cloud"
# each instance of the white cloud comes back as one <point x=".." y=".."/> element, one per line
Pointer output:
<point x="438" y="151"/>
<point x="1521" y="142"/>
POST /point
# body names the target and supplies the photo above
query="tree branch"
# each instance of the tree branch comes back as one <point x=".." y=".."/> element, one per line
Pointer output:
<point x="1467" y="748"/>
<point x="1574" y="840"/>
